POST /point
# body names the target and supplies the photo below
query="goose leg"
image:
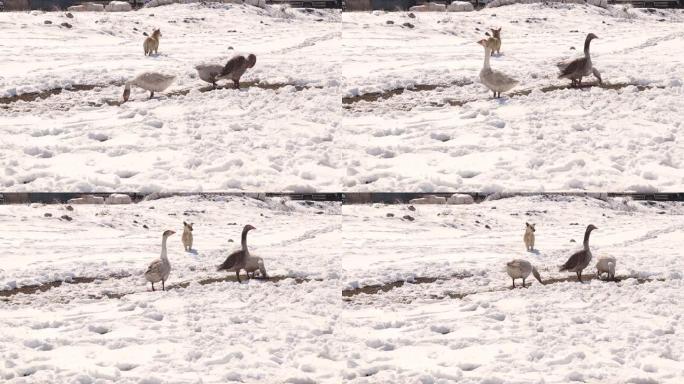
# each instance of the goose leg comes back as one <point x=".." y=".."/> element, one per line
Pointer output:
<point x="163" y="289"/>
<point x="237" y="84"/>
<point x="523" y="282"/>
<point x="513" y="282"/>
<point x="237" y="274"/>
<point x="152" y="287"/>
<point x="579" y="276"/>
<point x="151" y="94"/>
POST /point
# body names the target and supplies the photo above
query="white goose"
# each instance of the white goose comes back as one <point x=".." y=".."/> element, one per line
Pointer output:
<point x="606" y="264"/>
<point x="521" y="269"/>
<point x="159" y="269"/>
<point x="149" y="81"/>
<point x="496" y="81"/>
<point x="209" y="72"/>
<point x="253" y="264"/>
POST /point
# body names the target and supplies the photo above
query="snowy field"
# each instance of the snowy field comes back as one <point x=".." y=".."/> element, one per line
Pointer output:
<point x="273" y="135"/>
<point x="203" y="329"/>
<point x="457" y="320"/>
<point x="448" y="134"/>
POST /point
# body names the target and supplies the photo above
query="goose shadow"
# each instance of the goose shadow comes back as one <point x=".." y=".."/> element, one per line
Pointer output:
<point x="535" y="251"/>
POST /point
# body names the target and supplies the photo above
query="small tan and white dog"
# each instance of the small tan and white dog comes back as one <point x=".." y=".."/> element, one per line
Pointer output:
<point x="152" y="43"/>
<point x="529" y="237"/>
<point x="606" y="264"/>
<point x="186" y="238"/>
<point x="494" y="41"/>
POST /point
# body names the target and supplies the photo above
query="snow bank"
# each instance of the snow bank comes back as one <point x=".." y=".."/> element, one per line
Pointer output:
<point x="118" y="6"/>
<point x="460" y="6"/>
<point x="501" y="3"/>
<point x="468" y="325"/>
<point x="424" y="122"/>
<point x="269" y="135"/>
<point x="429" y="7"/>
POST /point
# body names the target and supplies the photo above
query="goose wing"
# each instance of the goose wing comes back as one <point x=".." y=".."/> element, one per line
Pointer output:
<point x="231" y="260"/>
<point x="573" y="261"/>
<point x="499" y="78"/>
<point x="154" y="269"/>
<point x="153" y="81"/>
<point x="232" y="65"/>
<point x="572" y="67"/>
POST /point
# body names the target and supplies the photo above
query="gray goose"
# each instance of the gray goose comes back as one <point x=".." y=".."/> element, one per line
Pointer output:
<point x="159" y="269"/>
<point x="236" y="67"/>
<point x="238" y="259"/>
<point x="580" y="67"/>
<point x="521" y="269"/>
<point x="581" y="259"/>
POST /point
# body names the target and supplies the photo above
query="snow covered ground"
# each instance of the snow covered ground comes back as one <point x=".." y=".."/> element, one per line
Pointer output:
<point x="276" y="136"/>
<point x="623" y="136"/>
<point x="459" y="321"/>
<point x="201" y="330"/>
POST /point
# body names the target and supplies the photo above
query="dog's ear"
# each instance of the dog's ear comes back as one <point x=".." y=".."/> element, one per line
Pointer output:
<point x="487" y="34"/>
<point x="184" y="223"/>
<point x="527" y="224"/>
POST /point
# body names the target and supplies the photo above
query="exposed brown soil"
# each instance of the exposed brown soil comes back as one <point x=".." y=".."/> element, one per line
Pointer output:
<point x="375" y="96"/>
<point x="33" y="96"/>
<point x="32" y="289"/>
<point x="376" y="289"/>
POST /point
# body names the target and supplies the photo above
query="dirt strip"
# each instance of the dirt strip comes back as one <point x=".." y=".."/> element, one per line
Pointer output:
<point x="33" y="96"/>
<point x="39" y="288"/>
<point x="377" y="289"/>
<point x="213" y="280"/>
<point x="375" y="96"/>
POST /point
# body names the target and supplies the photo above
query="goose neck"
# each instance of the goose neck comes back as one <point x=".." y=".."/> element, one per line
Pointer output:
<point x="244" y="241"/>
<point x="488" y="53"/>
<point x="586" y="47"/>
<point x="586" y="239"/>
<point x="163" y="248"/>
